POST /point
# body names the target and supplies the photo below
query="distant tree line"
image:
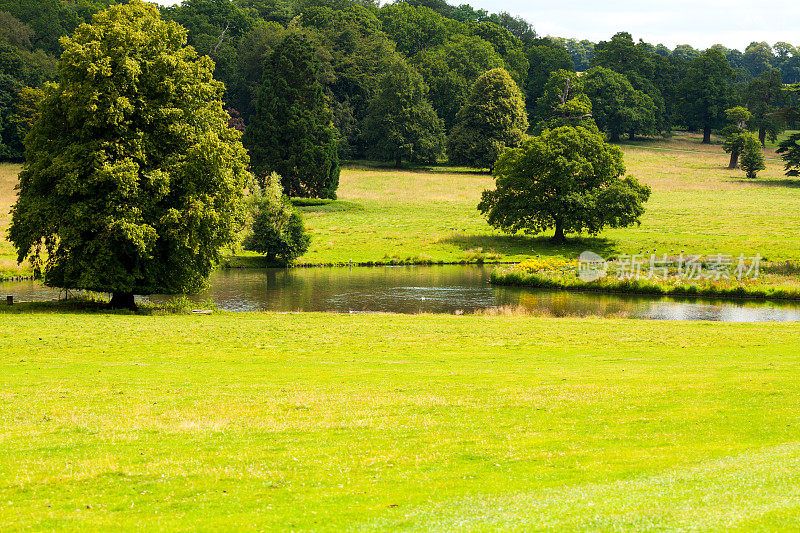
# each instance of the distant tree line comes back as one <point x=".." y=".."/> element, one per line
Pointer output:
<point x="391" y="82"/>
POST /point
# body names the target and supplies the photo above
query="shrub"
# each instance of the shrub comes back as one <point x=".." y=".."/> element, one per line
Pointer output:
<point x="278" y="229"/>
<point x="752" y="158"/>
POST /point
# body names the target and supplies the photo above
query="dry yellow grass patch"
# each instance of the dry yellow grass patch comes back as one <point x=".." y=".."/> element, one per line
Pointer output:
<point x="8" y="180"/>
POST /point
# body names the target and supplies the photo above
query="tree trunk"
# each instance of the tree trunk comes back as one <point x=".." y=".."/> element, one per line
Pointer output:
<point x="122" y="300"/>
<point x="631" y="136"/>
<point x="762" y="136"/>
<point x="706" y="135"/>
<point x="558" y="237"/>
<point x="734" y="160"/>
<point x="398" y="161"/>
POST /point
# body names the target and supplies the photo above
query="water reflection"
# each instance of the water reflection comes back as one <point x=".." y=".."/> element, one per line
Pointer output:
<point x="433" y="289"/>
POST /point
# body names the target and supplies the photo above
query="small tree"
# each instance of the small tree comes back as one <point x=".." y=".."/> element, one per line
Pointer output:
<point x="133" y="180"/>
<point x="401" y="123"/>
<point x="291" y="132"/>
<point x="790" y="152"/>
<point x="492" y="119"/>
<point x="278" y="229"/>
<point x="735" y="133"/>
<point x="752" y="157"/>
<point x="569" y="179"/>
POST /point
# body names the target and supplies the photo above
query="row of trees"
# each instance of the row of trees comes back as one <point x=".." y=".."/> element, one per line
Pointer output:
<point x="361" y="50"/>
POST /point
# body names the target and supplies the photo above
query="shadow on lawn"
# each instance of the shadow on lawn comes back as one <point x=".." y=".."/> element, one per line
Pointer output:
<point x="539" y="245"/>
<point x="783" y="182"/>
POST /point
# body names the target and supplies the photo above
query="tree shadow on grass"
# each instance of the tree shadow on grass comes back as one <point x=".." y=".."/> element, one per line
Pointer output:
<point x="527" y="245"/>
<point x="783" y="182"/>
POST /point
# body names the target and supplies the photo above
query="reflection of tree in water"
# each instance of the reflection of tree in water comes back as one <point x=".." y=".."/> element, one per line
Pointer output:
<point x="446" y="289"/>
<point x="563" y="303"/>
<point x="406" y="289"/>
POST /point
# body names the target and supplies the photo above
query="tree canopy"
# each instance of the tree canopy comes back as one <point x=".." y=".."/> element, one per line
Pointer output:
<point x="707" y="91"/>
<point x="291" y="132"/>
<point x="401" y="124"/>
<point x="133" y="180"/>
<point x="492" y="119"/>
<point x="736" y="133"/>
<point x="617" y="107"/>
<point x="568" y="179"/>
<point x="357" y="42"/>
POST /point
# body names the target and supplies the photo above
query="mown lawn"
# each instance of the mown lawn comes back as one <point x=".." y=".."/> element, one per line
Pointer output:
<point x="323" y="422"/>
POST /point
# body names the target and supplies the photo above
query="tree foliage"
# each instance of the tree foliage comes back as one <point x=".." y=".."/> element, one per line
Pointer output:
<point x="735" y="133"/>
<point x="291" y="132"/>
<point x="752" y="157"/>
<point x="133" y="180"/>
<point x="563" y="103"/>
<point x="401" y="124"/>
<point x="790" y="152"/>
<point x="617" y="107"/>
<point x="545" y="56"/>
<point x="492" y="119"/>
<point x="451" y="69"/>
<point x="567" y="178"/>
<point x="707" y="91"/>
<point x="278" y="230"/>
<point x="763" y="97"/>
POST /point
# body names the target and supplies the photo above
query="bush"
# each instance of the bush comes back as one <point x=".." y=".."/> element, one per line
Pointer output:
<point x="752" y="158"/>
<point x="278" y="229"/>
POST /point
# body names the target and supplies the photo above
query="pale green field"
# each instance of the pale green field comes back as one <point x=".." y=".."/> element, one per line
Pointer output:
<point x="697" y="205"/>
<point x="387" y="215"/>
<point x="315" y="422"/>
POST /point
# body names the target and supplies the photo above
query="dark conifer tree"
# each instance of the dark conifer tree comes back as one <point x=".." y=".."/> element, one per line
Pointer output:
<point x="291" y="132"/>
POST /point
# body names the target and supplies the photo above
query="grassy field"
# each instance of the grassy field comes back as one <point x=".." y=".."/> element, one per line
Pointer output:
<point x="386" y="215"/>
<point x="697" y="205"/>
<point x="411" y="423"/>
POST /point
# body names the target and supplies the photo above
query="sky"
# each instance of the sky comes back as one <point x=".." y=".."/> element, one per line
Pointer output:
<point x="700" y="23"/>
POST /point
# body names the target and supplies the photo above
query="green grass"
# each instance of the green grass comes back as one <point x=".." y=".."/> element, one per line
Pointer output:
<point x="412" y="423"/>
<point x="384" y="215"/>
<point x="697" y="205"/>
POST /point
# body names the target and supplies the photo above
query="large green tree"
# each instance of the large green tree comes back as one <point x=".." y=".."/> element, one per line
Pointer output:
<point x="492" y="119"/>
<point x="451" y="69"/>
<point x="545" y="56"/>
<point x="646" y="71"/>
<point x="291" y="132"/>
<point x="401" y="123"/>
<point x="564" y="103"/>
<point x="617" y="107"/>
<point x="133" y="181"/>
<point x="567" y="178"/>
<point x="735" y="133"/>
<point x="707" y="92"/>
<point x="763" y="97"/>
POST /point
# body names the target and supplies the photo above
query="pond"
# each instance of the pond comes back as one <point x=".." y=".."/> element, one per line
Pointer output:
<point x="434" y="289"/>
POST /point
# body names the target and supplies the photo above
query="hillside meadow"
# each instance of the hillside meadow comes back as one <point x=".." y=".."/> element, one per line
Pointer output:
<point x="385" y="215"/>
<point x="335" y="422"/>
